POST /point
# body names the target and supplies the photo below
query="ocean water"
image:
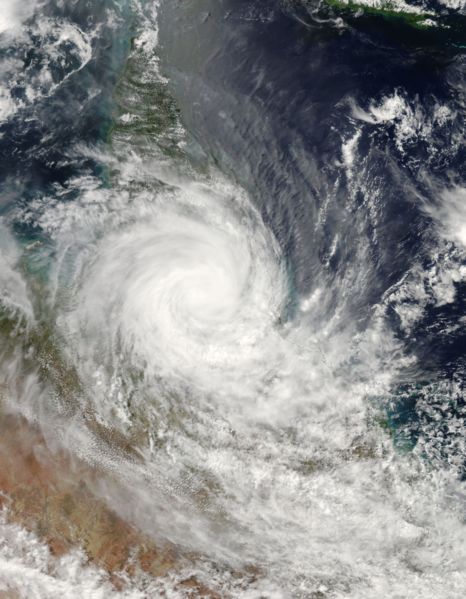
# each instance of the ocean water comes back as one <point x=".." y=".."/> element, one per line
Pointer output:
<point x="234" y="233"/>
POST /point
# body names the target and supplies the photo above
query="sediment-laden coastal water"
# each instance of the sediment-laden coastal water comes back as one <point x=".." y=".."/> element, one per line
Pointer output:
<point x="232" y="276"/>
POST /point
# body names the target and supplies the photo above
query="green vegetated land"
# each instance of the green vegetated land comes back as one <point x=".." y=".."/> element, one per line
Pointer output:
<point x="387" y="9"/>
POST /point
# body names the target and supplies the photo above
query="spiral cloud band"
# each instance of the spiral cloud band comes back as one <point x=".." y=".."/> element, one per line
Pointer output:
<point x="190" y="297"/>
